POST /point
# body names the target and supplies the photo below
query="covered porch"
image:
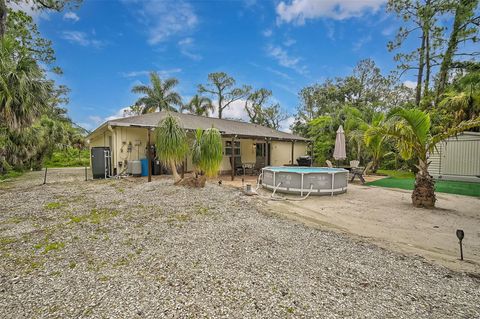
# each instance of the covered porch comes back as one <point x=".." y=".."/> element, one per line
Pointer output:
<point x="247" y="155"/>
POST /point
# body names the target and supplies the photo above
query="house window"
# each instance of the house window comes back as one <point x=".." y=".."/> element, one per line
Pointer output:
<point x="228" y="148"/>
<point x="260" y="149"/>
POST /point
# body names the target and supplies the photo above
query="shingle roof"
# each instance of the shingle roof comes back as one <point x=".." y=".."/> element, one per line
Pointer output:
<point x="192" y="122"/>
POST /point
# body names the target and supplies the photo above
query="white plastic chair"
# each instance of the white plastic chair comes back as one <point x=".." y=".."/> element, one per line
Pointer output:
<point x="354" y="164"/>
<point x="329" y="164"/>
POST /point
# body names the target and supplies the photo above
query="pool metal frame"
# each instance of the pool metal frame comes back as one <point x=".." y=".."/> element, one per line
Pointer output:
<point x="314" y="191"/>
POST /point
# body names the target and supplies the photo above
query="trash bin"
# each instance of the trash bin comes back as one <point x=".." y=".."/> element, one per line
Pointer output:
<point x="157" y="168"/>
<point x="144" y="166"/>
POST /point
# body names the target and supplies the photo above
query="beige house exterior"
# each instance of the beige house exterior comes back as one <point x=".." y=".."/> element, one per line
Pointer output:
<point x="254" y="145"/>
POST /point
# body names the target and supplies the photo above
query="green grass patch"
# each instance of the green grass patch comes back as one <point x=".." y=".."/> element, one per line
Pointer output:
<point x="181" y="218"/>
<point x="396" y="174"/>
<point x="450" y="187"/>
<point x="53" y="205"/>
<point x="49" y="246"/>
<point x="6" y="241"/>
<point x="10" y="175"/>
<point x="96" y="216"/>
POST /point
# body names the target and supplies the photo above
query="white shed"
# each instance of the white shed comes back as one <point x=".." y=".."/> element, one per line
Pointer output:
<point x="457" y="158"/>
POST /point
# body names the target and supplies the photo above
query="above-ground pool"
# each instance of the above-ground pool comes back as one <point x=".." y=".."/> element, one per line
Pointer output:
<point x="302" y="180"/>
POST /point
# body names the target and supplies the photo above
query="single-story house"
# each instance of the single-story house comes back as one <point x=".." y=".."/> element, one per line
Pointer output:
<point x="249" y="143"/>
<point x="457" y="158"/>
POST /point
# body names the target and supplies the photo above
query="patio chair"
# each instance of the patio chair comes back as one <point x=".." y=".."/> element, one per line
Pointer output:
<point x="354" y="164"/>
<point x="360" y="172"/>
<point x="329" y="164"/>
<point x="259" y="164"/>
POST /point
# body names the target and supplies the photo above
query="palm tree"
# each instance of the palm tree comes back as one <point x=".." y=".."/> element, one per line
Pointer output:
<point x="211" y="152"/>
<point x="159" y="96"/>
<point x="411" y="130"/>
<point x="24" y="91"/>
<point x="207" y="151"/>
<point x="171" y="141"/>
<point x="199" y="105"/>
<point x="197" y="150"/>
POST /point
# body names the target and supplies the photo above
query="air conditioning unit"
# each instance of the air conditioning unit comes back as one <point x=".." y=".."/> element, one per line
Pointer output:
<point x="135" y="168"/>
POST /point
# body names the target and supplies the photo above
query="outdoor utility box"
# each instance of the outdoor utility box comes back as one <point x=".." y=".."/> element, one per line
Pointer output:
<point x="101" y="162"/>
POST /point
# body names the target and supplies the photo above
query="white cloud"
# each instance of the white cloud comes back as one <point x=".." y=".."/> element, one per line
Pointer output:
<point x="186" y="47"/>
<point x="279" y="73"/>
<point x="357" y="45"/>
<point x="388" y="31"/>
<point x="285" y="59"/>
<point x="164" y="19"/>
<point x="162" y="73"/>
<point x="271" y="70"/>
<point x="285" y="125"/>
<point x="95" y="119"/>
<point x="289" y="42"/>
<point x="71" y="16"/>
<point x="297" y="11"/>
<point x="267" y="33"/>
<point x="410" y="84"/>
<point x="249" y="3"/>
<point x="119" y="114"/>
<point x="185" y="42"/>
<point x="81" y="38"/>
<point x="286" y="88"/>
<point x="236" y="111"/>
<point x="330" y="30"/>
<point x="87" y="126"/>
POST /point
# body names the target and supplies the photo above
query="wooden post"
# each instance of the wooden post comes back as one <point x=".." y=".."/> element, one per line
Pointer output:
<point x="45" y="177"/>
<point x="266" y="152"/>
<point x="293" y="151"/>
<point x="149" y="157"/>
<point x="232" y="158"/>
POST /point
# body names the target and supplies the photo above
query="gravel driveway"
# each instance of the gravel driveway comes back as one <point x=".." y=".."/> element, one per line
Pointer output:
<point x="130" y="249"/>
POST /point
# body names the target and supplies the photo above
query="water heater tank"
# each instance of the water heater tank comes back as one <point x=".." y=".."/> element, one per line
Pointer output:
<point x="136" y="167"/>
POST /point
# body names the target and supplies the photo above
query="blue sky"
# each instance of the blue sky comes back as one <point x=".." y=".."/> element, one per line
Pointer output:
<point x="106" y="47"/>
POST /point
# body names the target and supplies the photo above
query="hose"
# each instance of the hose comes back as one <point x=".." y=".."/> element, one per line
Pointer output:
<point x="259" y="178"/>
<point x="273" y="197"/>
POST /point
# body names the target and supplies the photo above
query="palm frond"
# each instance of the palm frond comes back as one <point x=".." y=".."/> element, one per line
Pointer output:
<point x="461" y="127"/>
<point x="211" y="152"/>
<point x="171" y="140"/>
<point x="418" y="121"/>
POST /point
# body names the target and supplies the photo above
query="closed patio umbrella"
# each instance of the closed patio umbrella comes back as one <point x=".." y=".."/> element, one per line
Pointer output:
<point x="340" y="153"/>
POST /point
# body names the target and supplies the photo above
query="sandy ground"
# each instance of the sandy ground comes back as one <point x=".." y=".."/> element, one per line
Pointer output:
<point x="387" y="218"/>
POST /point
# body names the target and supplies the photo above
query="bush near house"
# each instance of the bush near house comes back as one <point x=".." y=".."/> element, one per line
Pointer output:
<point x="69" y="157"/>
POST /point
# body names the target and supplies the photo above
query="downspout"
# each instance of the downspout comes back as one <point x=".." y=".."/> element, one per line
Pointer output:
<point x="114" y="146"/>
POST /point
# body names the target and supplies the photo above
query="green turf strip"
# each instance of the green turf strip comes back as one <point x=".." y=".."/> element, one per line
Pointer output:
<point x="451" y="187"/>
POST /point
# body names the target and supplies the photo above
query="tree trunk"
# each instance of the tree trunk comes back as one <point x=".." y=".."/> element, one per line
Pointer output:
<point x="3" y="18"/>
<point x="173" y="167"/>
<point x="421" y="64"/>
<point x="451" y="49"/>
<point x="427" y="60"/>
<point x="220" y="109"/>
<point x="424" y="191"/>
